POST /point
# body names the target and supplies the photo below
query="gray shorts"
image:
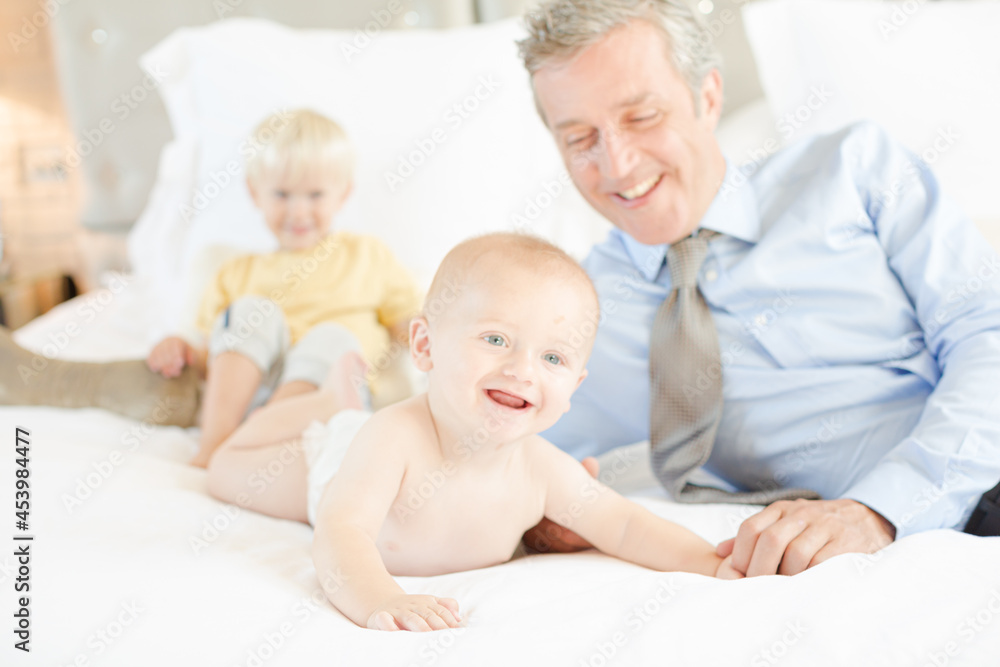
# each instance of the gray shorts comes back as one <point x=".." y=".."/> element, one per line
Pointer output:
<point x="255" y="327"/>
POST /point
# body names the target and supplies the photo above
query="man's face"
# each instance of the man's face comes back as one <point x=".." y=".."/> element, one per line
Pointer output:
<point x="625" y="123"/>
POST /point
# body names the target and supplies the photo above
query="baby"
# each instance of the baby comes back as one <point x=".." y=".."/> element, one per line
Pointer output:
<point x="450" y="480"/>
<point x="323" y="300"/>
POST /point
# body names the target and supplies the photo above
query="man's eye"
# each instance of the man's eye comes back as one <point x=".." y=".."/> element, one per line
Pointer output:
<point x="554" y="359"/>
<point x="494" y="340"/>
<point x="645" y="116"/>
<point x="578" y="139"/>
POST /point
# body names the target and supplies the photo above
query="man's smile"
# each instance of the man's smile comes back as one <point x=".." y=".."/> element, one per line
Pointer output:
<point x="640" y="189"/>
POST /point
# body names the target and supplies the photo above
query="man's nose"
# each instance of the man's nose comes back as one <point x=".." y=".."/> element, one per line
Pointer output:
<point x="618" y="157"/>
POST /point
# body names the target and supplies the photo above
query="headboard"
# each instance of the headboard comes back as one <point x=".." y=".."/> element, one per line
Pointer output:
<point x="121" y="125"/>
<point x="118" y="119"/>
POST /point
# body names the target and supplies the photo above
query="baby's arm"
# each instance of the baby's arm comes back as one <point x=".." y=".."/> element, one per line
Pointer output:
<point x="618" y="526"/>
<point x="350" y="515"/>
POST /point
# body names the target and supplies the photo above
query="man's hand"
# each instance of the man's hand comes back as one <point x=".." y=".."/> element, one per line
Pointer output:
<point x="549" y="536"/>
<point x="726" y="570"/>
<point x="790" y="536"/>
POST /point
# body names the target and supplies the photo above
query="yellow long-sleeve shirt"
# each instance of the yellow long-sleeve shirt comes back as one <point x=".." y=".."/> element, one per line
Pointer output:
<point x="347" y="278"/>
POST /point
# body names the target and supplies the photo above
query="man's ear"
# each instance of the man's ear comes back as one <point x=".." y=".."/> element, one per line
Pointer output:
<point x="420" y="343"/>
<point x="710" y="97"/>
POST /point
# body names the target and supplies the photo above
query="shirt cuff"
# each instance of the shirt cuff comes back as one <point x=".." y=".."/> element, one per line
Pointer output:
<point x="913" y="503"/>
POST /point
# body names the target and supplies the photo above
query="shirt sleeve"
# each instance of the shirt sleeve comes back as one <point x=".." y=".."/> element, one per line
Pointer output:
<point x="401" y="299"/>
<point x="934" y="477"/>
<point x="216" y="298"/>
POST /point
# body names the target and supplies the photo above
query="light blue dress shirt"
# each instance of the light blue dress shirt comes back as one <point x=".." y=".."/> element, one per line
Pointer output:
<point x="858" y="313"/>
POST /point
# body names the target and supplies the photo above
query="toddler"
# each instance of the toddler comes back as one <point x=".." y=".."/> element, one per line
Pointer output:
<point x="323" y="300"/>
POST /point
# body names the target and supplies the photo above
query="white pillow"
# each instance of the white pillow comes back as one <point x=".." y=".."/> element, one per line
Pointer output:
<point x="927" y="71"/>
<point x="488" y="165"/>
<point x="156" y="242"/>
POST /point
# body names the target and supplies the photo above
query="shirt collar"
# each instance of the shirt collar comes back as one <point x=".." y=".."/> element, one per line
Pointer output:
<point x="733" y="212"/>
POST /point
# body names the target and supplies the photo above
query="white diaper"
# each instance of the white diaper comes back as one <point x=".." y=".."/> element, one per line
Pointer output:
<point x="324" y="446"/>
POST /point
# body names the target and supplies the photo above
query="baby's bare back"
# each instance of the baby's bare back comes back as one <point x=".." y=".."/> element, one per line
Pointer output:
<point x="460" y="514"/>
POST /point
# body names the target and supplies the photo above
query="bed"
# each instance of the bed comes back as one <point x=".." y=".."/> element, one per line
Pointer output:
<point x="133" y="563"/>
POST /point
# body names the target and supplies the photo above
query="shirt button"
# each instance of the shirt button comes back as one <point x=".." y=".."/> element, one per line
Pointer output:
<point x="760" y="320"/>
<point x="711" y="275"/>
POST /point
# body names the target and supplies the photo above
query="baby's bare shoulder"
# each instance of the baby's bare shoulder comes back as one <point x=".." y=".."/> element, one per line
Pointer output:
<point x="406" y="423"/>
<point x="407" y="412"/>
<point x="539" y="448"/>
<point x="546" y="459"/>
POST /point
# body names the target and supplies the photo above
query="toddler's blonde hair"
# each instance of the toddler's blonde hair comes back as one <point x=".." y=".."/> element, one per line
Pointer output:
<point x="294" y="143"/>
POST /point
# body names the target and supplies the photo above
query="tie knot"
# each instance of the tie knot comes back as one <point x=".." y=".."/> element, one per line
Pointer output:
<point x="684" y="258"/>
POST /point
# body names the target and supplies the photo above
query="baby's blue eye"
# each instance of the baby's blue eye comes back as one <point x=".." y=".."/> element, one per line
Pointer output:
<point x="494" y="340"/>
<point x="280" y="194"/>
<point x="552" y="359"/>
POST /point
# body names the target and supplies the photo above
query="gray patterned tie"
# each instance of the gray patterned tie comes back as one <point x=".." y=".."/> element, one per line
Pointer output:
<point x="686" y="385"/>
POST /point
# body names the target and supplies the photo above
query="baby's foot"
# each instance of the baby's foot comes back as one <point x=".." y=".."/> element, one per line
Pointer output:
<point x="347" y="380"/>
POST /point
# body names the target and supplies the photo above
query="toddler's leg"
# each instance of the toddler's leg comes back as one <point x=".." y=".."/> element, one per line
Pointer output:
<point x="248" y="338"/>
<point x="232" y="382"/>
<point x="261" y="465"/>
<point x="328" y="355"/>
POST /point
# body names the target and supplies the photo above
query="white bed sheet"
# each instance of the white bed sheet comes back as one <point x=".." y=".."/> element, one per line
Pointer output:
<point x="148" y="570"/>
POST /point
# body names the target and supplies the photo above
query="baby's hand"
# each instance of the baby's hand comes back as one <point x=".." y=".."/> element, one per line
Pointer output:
<point x="170" y="356"/>
<point x="726" y="569"/>
<point x="418" y="613"/>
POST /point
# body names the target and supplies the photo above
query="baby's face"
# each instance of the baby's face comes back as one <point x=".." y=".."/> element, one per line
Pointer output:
<point x="299" y="211"/>
<point x="508" y="356"/>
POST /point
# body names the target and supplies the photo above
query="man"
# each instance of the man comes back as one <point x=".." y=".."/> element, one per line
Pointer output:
<point x="858" y="333"/>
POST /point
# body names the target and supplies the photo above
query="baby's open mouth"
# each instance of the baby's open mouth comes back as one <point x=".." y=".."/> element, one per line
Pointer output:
<point x="507" y="400"/>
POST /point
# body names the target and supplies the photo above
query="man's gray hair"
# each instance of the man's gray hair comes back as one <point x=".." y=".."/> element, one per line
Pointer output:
<point x="559" y="28"/>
